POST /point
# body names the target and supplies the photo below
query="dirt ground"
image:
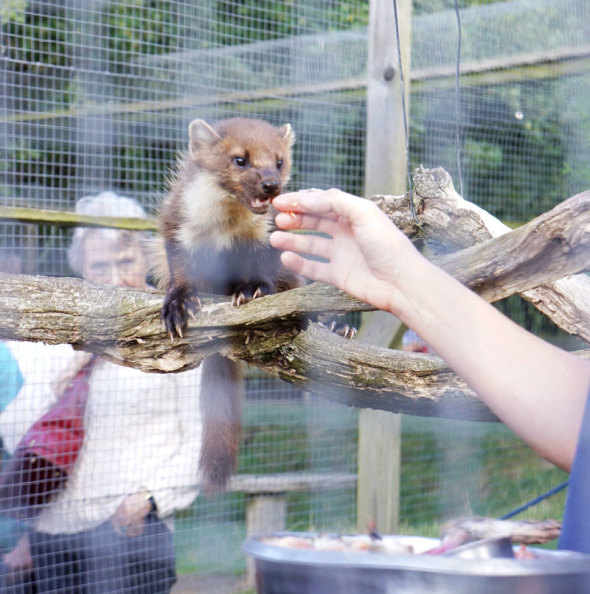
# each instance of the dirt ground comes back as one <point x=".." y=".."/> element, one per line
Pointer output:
<point x="209" y="584"/>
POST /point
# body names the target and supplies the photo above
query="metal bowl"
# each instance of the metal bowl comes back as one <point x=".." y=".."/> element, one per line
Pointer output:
<point x="488" y="548"/>
<point x="281" y="570"/>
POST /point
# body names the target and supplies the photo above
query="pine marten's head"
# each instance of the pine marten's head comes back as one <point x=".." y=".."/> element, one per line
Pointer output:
<point x="249" y="158"/>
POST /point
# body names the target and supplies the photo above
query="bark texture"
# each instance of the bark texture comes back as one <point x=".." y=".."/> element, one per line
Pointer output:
<point x="276" y="333"/>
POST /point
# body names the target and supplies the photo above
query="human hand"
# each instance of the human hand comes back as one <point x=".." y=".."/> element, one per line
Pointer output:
<point x="130" y="515"/>
<point x="365" y="250"/>
<point x="19" y="559"/>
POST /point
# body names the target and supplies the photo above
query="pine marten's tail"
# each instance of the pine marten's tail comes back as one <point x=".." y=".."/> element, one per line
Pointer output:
<point x="221" y="405"/>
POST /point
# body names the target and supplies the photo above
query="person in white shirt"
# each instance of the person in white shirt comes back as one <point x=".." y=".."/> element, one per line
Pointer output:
<point x="110" y="529"/>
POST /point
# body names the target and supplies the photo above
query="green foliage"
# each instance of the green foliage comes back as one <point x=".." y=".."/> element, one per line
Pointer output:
<point x="12" y="10"/>
<point x="429" y="6"/>
<point x="37" y="43"/>
<point x="576" y="115"/>
<point x="270" y="430"/>
<point x="286" y="437"/>
<point x="34" y="163"/>
<point x="249" y="21"/>
<point x="41" y="41"/>
<point x="37" y="38"/>
<point x="351" y="14"/>
<point x="141" y="167"/>
<point x="138" y="28"/>
<point x="483" y="470"/>
<point x="240" y="22"/>
<point x="505" y="130"/>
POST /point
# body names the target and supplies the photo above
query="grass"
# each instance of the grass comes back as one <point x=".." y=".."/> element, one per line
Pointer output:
<point x="451" y="468"/>
<point x="210" y="547"/>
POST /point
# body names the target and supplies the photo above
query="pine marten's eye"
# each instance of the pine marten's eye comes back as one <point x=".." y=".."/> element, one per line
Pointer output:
<point x="240" y="162"/>
<point x="279" y="163"/>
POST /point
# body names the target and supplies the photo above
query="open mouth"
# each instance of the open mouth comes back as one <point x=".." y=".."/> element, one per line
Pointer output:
<point x="259" y="206"/>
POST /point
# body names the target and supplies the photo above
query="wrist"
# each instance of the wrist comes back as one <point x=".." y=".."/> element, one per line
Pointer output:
<point x="406" y="283"/>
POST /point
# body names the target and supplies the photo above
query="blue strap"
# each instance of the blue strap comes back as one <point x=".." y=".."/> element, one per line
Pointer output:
<point x="11" y="378"/>
<point x="575" y="529"/>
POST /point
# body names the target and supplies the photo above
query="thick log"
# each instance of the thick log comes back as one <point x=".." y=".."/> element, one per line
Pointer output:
<point x="123" y="325"/>
<point x="366" y="376"/>
<point x="554" y="245"/>
<point x="449" y="223"/>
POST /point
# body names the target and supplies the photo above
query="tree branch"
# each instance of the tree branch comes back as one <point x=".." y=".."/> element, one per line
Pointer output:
<point x="123" y="325"/>
<point x="449" y="223"/>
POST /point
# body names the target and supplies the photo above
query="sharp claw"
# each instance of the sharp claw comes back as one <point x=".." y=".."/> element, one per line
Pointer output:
<point x="178" y="331"/>
<point x="171" y="336"/>
<point x="257" y="293"/>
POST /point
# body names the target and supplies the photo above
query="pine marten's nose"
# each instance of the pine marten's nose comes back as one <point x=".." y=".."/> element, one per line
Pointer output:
<point x="270" y="187"/>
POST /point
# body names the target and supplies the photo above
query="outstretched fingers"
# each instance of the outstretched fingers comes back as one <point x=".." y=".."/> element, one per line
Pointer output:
<point x="293" y="220"/>
<point x="309" y="201"/>
<point x="312" y="269"/>
<point x="323" y="203"/>
<point x="303" y="243"/>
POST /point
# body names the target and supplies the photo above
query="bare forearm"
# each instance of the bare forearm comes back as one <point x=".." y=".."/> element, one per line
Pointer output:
<point x="535" y="388"/>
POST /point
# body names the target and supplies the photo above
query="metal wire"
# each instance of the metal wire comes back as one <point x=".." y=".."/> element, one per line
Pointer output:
<point x="98" y="95"/>
<point x="404" y="114"/>
<point x="458" y="99"/>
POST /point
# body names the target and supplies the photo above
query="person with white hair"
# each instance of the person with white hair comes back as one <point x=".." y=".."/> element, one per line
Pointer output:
<point x="110" y="256"/>
<point x="110" y="529"/>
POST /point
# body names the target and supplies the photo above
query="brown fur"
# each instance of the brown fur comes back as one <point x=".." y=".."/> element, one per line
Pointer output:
<point x="215" y="224"/>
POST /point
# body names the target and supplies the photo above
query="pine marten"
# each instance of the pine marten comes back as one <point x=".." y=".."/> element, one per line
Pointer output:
<point x="215" y="222"/>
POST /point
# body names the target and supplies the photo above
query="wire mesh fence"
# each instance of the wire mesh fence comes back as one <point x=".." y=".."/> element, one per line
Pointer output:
<point x="97" y="95"/>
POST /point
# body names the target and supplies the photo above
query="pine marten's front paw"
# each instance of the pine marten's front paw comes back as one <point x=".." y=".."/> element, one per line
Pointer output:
<point x="247" y="292"/>
<point x="341" y="329"/>
<point x="180" y="303"/>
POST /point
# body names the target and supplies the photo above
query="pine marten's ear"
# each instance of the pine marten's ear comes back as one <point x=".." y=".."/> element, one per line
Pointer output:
<point x="287" y="134"/>
<point x="201" y="134"/>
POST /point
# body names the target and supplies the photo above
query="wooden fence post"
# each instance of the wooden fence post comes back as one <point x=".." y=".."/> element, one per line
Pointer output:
<point x="385" y="172"/>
